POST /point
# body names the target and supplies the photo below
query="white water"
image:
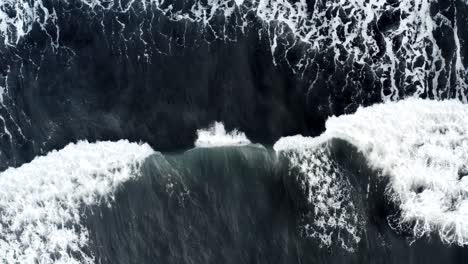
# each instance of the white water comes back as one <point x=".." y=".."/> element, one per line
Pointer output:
<point x="216" y="135"/>
<point x="40" y="202"/>
<point x="422" y="146"/>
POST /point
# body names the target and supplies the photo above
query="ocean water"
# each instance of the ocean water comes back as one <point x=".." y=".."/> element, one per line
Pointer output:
<point x="233" y="131"/>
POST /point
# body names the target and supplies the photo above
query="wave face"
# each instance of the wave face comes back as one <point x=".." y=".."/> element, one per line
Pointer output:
<point x="105" y="70"/>
<point x="206" y="205"/>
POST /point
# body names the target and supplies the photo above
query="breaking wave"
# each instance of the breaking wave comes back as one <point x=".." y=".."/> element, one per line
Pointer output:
<point x="421" y="146"/>
<point x="42" y="202"/>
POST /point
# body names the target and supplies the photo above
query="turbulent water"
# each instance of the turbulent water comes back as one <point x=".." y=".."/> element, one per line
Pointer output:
<point x="233" y="131"/>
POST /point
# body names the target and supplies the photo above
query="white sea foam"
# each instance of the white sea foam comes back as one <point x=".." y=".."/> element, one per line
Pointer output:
<point x="422" y="146"/>
<point x="40" y="202"/>
<point x="216" y="135"/>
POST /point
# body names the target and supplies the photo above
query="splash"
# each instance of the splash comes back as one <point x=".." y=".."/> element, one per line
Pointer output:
<point x="216" y="135"/>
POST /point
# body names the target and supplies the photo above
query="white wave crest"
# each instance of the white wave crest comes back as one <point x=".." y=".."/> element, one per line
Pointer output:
<point x="40" y="201"/>
<point x="422" y="146"/>
<point x="216" y="135"/>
